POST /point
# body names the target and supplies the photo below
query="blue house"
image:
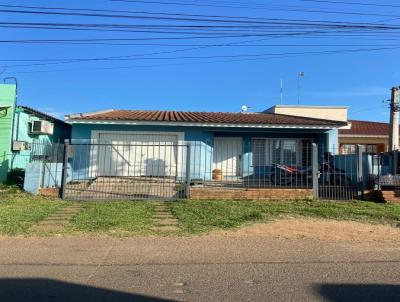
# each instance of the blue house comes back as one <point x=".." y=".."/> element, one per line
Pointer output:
<point x="219" y="145"/>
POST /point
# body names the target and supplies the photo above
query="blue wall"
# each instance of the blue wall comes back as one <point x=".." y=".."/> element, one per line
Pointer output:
<point x="19" y="159"/>
<point x="201" y="139"/>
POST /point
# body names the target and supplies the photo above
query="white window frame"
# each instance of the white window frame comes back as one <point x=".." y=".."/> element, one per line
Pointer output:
<point x="268" y="149"/>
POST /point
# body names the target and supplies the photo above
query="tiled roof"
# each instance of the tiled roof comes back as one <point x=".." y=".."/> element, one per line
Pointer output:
<point x="204" y="117"/>
<point x="366" y="128"/>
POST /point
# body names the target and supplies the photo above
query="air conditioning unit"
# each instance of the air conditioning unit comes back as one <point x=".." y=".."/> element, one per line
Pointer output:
<point x="42" y="127"/>
<point x="19" y="146"/>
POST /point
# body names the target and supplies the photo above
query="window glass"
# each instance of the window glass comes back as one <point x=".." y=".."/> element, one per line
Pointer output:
<point x="348" y="149"/>
<point x="371" y="149"/>
<point x="259" y="152"/>
<point x="275" y="151"/>
<point x="289" y="152"/>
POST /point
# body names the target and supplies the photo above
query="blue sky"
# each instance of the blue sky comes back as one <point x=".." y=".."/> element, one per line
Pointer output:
<point x="180" y="79"/>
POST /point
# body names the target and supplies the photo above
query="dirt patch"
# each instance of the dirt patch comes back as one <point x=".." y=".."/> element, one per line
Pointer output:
<point x="319" y="229"/>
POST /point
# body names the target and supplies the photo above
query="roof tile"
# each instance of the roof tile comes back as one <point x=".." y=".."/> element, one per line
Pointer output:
<point x="207" y="117"/>
<point x="366" y="128"/>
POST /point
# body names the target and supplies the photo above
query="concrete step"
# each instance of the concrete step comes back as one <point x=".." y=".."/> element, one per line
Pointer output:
<point x="162" y="211"/>
<point x="48" y="228"/>
<point x="53" y="222"/>
<point x="165" y="229"/>
<point x="163" y="217"/>
<point x="163" y="224"/>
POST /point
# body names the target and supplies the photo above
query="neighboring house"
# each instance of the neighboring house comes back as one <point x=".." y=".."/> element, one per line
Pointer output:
<point x="374" y="136"/>
<point x="234" y="143"/>
<point x="22" y="128"/>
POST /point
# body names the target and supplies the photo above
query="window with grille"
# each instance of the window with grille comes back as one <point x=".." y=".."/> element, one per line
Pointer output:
<point x="276" y="151"/>
<point x="259" y="154"/>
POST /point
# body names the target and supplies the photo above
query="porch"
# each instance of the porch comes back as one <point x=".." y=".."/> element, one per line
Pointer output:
<point x="251" y="166"/>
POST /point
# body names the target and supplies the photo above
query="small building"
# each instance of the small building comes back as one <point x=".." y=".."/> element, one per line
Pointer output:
<point x="112" y="147"/>
<point x="373" y="136"/>
<point x="23" y="128"/>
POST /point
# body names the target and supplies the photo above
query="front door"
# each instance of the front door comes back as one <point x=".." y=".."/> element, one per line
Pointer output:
<point x="228" y="156"/>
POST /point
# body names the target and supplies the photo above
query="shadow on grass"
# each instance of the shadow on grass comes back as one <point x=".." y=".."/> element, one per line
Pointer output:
<point x="46" y="290"/>
<point x="358" y="292"/>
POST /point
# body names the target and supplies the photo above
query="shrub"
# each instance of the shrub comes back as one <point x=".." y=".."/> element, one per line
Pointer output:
<point x="16" y="177"/>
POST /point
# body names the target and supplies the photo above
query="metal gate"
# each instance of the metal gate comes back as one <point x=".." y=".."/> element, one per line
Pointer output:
<point x="128" y="171"/>
<point x="341" y="176"/>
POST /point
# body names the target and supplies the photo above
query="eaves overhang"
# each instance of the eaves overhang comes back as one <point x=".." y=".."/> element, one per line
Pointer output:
<point x="195" y="124"/>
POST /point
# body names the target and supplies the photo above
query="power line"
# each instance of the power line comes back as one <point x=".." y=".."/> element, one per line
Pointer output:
<point x="287" y="9"/>
<point x="150" y="66"/>
<point x="237" y="58"/>
<point x="215" y="19"/>
<point x="105" y="41"/>
<point x="174" y="14"/>
<point x="283" y="27"/>
<point x="154" y="53"/>
<point x="154" y="14"/>
<point x="353" y="3"/>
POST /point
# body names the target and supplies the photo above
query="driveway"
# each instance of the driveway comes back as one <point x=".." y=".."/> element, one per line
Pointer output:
<point x="204" y="268"/>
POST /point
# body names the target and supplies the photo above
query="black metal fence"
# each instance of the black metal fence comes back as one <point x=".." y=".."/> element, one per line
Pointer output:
<point x="108" y="171"/>
<point x="340" y="176"/>
<point x="278" y="164"/>
<point x="261" y="163"/>
<point x="96" y="171"/>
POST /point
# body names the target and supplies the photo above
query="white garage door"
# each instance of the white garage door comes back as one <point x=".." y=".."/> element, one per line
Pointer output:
<point x="137" y="154"/>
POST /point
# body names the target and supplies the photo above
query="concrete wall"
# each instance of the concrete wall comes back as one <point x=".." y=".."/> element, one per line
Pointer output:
<point x="319" y="112"/>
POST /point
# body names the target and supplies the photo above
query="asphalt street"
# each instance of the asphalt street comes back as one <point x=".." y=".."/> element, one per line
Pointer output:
<point x="206" y="268"/>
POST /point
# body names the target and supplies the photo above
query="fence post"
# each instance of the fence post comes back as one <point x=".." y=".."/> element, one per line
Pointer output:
<point x="64" y="168"/>
<point x="315" y="170"/>
<point x="360" y="170"/>
<point x="187" y="184"/>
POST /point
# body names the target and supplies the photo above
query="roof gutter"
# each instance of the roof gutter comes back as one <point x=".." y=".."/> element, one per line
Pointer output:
<point x="188" y="124"/>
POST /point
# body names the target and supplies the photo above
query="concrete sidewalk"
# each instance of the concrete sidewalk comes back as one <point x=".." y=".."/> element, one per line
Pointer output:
<point x="206" y="268"/>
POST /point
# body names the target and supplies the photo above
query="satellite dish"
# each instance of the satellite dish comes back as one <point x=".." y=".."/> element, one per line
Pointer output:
<point x="245" y="108"/>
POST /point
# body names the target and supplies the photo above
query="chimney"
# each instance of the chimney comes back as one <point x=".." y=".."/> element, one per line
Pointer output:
<point x="394" y="120"/>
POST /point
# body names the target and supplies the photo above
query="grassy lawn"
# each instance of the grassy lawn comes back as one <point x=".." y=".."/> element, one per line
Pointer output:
<point x="203" y="216"/>
<point x="119" y="218"/>
<point x="20" y="211"/>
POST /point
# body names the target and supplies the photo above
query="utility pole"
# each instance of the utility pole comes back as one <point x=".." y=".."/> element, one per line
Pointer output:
<point x="281" y="92"/>
<point x="394" y="120"/>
